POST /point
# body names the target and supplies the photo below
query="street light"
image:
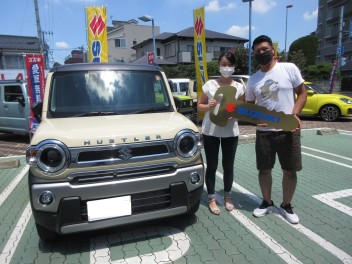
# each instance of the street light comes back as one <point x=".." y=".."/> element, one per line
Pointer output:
<point x="147" y="18"/>
<point x="287" y="7"/>
<point x="250" y="37"/>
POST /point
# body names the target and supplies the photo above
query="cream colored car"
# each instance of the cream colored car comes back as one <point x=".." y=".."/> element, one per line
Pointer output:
<point x="110" y="150"/>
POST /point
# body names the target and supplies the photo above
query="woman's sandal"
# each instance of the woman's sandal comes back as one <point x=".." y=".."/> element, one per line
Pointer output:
<point x="228" y="203"/>
<point x="214" y="209"/>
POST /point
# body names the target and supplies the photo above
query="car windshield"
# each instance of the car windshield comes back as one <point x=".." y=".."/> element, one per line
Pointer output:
<point x="96" y="93"/>
<point x="315" y="88"/>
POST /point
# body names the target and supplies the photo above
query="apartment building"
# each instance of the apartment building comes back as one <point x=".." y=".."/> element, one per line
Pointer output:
<point x="329" y="32"/>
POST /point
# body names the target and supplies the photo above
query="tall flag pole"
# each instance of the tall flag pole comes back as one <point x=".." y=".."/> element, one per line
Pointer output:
<point x="200" y="52"/>
<point x="97" y="34"/>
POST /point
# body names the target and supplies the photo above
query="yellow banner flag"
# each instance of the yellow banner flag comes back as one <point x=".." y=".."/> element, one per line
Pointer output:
<point x="276" y="46"/>
<point x="97" y="34"/>
<point x="200" y="51"/>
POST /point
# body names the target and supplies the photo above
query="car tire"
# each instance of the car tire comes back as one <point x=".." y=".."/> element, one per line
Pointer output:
<point x="329" y="112"/>
<point x="46" y="234"/>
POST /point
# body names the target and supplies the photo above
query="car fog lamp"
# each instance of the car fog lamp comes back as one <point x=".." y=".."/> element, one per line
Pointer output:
<point x="194" y="178"/>
<point x="46" y="198"/>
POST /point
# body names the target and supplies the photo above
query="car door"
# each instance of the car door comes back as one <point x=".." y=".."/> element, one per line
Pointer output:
<point x="13" y="115"/>
<point x="310" y="108"/>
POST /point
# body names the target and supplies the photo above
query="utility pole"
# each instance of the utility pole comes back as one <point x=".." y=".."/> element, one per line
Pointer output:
<point x="39" y="30"/>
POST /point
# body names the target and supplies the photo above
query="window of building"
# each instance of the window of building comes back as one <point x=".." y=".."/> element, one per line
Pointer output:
<point x="13" y="62"/>
<point x="134" y="42"/>
<point x="120" y="43"/>
<point x="158" y="52"/>
<point x="170" y="50"/>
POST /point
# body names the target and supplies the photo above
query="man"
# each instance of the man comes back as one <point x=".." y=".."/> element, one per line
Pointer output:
<point x="273" y="86"/>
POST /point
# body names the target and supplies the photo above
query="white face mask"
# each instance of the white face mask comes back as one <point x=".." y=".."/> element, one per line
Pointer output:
<point x="227" y="71"/>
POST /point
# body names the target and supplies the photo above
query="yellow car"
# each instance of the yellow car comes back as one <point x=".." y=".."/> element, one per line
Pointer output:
<point x="328" y="106"/>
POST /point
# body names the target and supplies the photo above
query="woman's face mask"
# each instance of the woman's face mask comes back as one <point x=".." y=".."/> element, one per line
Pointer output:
<point x="264" y="58"/>
<point x="226" y="71"/>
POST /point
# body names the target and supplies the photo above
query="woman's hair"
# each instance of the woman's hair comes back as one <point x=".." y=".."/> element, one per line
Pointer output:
<point x="228" y="55"/>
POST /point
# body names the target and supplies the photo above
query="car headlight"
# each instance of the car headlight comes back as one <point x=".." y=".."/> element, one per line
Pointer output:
<point x="346" y="100"/>
<point x="50" y="156"/>
<point x="187" y="143"/>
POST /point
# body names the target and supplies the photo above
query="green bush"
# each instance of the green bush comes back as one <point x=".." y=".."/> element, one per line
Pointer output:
<point x="346" y="83"/>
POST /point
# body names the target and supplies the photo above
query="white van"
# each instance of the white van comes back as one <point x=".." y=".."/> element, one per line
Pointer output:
<point x="179" y="85"/>
<point x="14" y="107"/>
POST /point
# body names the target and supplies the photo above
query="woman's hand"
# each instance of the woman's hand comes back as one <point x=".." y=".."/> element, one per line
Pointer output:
<point x="212" y="102"/>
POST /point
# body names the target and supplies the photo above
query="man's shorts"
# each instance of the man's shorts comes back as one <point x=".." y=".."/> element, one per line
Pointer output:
<point x="287" y="145"/>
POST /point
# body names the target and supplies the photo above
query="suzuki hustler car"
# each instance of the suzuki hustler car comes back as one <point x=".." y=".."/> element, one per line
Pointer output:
<point x="110" y="150"/>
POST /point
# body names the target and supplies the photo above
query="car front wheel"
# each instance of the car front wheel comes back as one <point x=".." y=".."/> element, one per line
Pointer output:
<point x="329" y="113"/>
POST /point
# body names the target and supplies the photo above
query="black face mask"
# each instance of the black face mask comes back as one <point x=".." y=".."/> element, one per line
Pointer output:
<point x="263" y="58"/>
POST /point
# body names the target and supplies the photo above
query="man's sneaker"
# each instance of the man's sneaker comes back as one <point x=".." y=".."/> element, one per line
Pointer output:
<point x="288" y="214"/>
<point x="263" y="209"/>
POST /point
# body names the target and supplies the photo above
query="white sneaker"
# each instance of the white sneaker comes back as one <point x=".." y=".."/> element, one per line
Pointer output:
<point x="288" y="214"/>
<point x="263" y="209"/>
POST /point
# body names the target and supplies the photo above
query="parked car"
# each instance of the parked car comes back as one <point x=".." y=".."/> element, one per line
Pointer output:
<point x="327" y="106"/>
<point x="111" y="150"/>
<point x="184" y="103"/>
<point x="14" y="107"/>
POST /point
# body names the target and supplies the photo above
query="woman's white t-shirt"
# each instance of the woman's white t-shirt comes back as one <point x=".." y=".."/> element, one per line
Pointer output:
<point x="208" y="127"/>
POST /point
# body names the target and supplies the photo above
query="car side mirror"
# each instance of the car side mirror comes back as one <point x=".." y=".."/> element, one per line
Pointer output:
<point x="21" y="101"/>
<point x="178" y="103"/>
<point x="310" y="92"/>
<point x="37" y="110"/>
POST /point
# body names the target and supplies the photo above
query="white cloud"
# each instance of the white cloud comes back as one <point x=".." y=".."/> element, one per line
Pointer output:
<point x="308" y="16"/>
<point x="62" y="45"/>
<point x="239" y="31"/>
<point x="214" y="6"/>
<point x="262" y="6"/>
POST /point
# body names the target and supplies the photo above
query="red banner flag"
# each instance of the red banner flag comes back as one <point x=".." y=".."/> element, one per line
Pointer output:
<point x="35" y="84"/>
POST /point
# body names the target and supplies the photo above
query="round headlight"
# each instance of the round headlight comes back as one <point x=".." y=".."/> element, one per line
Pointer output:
<point x="52" y="157"/>
<point x="186" y="144"/>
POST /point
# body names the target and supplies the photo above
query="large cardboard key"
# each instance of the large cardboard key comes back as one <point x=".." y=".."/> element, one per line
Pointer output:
<point x="227" y="107"/>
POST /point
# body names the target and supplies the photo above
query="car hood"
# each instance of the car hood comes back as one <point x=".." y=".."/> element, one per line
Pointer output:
<point x="110" y="130"/>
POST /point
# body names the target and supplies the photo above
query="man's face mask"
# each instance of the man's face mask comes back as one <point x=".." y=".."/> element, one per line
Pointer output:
<point x="264" y="58"/>
<point x="227" y="71"/>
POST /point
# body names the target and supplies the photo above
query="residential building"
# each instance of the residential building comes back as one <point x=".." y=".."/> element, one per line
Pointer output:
<point x="13" y="48"/>
<point x="76" y="56"/>
<point x="178" y="47"/>
<point x="123" y="36"/>
<point x="329" y="34"/>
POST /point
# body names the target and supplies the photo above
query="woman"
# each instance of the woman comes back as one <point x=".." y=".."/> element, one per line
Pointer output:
<point x="214" y="135"/>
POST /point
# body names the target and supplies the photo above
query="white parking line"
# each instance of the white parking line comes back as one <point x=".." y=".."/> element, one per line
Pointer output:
<point x="13" y="184"/>
<point x="16" y="235"/>
<point x="331" y="161"/>
<point x="343" y="256"/>
<point x="329" y="199"/>
<point x="328" y="153"/>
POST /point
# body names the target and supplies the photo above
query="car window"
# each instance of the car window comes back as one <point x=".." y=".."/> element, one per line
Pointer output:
<point x="316" y="88"/>
<point x="184" y="86"/>
<point x="11" y="92"/>
<point x="119" y="92"/>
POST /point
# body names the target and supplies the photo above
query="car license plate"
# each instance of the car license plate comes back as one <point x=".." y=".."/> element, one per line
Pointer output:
<point x="109" y="208"/>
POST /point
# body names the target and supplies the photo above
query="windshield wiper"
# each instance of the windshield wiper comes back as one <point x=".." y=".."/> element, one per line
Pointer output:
<point x="96" y="113"/>
<point x="151" y="110"/>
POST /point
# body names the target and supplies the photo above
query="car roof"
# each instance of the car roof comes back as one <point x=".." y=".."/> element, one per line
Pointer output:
<point x="12" y="81"/>
<point x="105" y="66"/>
<point x="179" y="79"/>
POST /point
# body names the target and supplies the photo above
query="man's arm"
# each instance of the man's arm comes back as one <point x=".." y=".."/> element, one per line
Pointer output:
<point x="301" y="92"/>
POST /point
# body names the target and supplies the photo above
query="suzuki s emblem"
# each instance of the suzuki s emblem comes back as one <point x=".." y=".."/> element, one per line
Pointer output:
<point x="125" y="153"/>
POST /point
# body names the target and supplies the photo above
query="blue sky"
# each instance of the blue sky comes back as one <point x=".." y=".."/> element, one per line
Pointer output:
<point x="64" y="20"/>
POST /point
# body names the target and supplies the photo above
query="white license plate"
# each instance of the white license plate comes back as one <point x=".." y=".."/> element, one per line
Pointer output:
<point x="109" y="208"/>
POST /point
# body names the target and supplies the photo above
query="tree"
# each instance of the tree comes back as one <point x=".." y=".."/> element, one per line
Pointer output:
<point x="309" y="47"/>
<point x="297" y="57"/>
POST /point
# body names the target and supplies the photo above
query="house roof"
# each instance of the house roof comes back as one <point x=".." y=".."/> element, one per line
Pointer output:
<point x="189" y="33"/>
<point x="10" y="42"/>
<point x="159" y="61"/>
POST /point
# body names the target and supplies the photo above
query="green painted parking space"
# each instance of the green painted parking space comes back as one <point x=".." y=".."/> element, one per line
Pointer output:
<point x="323" y="201"/>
